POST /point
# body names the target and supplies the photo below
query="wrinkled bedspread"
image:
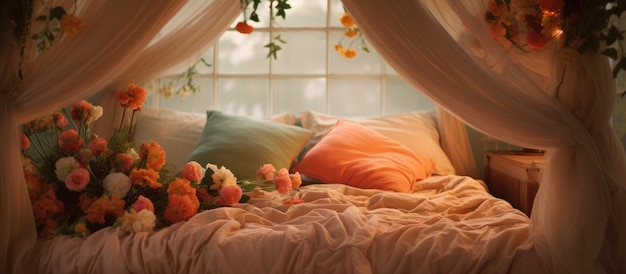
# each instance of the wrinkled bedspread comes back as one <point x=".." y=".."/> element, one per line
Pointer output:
<point x="450" y="224"/>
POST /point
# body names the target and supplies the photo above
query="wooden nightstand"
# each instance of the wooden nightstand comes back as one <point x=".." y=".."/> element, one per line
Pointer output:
<point x="514" y="176"/>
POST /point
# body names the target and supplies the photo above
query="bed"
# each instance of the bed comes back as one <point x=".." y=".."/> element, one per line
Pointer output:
<point x="353" y="219"/>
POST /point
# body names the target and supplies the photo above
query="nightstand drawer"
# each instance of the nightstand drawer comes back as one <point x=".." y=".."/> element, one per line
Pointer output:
<point x="514" y="176"/>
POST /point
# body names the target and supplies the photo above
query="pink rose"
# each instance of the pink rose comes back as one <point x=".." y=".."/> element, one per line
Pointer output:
<point x="267" y="171"/>
<point x="98" y="146"/>
<point x="77" y="180"/>
<point x="282" y="181"/>
<point x="192" y="171"/>
<point x="143" y="203"/>
<point x="296" y="180"/>
<point x="230" y="194"/>
<point x="70" y="141"/>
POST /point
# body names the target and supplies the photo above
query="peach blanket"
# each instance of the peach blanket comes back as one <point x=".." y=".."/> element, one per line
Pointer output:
<point x="450" y="224"/>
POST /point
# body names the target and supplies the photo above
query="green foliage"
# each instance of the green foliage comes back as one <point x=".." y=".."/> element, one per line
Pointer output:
<point x="277" y="9"/>
<point x="50" y="28"/>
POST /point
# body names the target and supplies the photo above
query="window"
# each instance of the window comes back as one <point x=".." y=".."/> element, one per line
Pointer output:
<point x="307" y="75"/>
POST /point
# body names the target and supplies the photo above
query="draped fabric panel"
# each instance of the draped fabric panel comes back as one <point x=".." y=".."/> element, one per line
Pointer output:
<point x="444" y="49"/>
<point x="455" y="142"/>
<point x="117" y="39"/>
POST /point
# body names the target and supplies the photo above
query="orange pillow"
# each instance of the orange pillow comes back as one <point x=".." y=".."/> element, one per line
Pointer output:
<point x="354" y="155"/>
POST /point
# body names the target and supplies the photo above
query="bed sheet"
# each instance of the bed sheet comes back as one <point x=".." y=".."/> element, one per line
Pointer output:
<point x="450" y="224"/>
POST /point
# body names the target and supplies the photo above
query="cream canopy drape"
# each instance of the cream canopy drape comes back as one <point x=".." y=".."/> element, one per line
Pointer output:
<point x="120" y="41"/>
<point x="443" y="48"/>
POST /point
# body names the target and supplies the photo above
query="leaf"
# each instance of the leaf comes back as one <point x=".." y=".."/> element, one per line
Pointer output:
<point x="610" y="52"/>
<point x="280" y="39"/>
<point x="57" y="12"/>
<point x="205" y="62"/>
<point x="613" y="35"/>
<point x="244" y="198"/>
<point x="254" y="16"/>
<point x="248" y="187"/>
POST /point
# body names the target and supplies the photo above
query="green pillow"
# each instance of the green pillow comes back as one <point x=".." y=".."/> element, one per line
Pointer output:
<point x="243" y="144"/>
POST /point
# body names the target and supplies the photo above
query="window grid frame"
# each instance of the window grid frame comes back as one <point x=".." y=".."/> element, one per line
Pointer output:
<point x="382" y="76"/>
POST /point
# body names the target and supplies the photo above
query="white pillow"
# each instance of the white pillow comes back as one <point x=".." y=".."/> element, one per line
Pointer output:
<point x="416" y="130"/>
<point x="178" y="132"/>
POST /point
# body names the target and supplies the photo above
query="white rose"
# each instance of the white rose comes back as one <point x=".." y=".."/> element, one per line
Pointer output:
<point x="94" y="114"/>
<point x="65" y="166"/>
<point x="116" y="184"/>
<point x="221" y="177"/>
<point x="133" y="221"/>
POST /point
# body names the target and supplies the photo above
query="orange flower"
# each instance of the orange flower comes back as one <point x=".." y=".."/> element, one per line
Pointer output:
<point x="282" y="181"/>
<point x="145" y="177"/>
<point x="70" y="24"/>
<point x="80" y="110"/>
<point x="47" y="206"/>
<point x="244" y="28"/>
<point x="180" y="186"/>
<point x="70" y="142"/>
<point x="180" y="208"/>
<point x="104" y="206"/>
<point x="25" y="142"/>
<point x="550" y="5"/>
<point x="350" y="33"/>
<point x="153" y="154"/>
<point x="339" y="48"/>
<point x="346" y="21"/>
<point x="59" y="119"/>
<point x="84" y="201"/>
<point x="132" y="98"/>
<point x="266" y="172"/>
<point x="98" y="146"/>
<point x="33" y="183"/>
<point x="349" y="53"/>
<point x="122" y="161"/>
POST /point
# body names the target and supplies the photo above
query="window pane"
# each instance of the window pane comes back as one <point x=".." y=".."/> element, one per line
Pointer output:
<point x="297" y="95"/>
<point x="244" y="96"/>
<point x="243" y="53"/>
<point x="310" y="13"/>
<point x="389" y="70"/>
<point x="355" y="97"/>
<point x="304" y="53"/>
<point x="363" y="63"/>
<point x="401" y="97"/>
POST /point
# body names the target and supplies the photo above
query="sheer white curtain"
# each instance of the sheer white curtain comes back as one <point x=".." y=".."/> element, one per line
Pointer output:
<point x="113" y="46"/>
<point x="445" y="49"/>
<point x="177" y="46"/>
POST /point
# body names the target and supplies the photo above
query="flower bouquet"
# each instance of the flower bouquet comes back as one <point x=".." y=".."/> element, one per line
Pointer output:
<point x="79" y="182"/>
